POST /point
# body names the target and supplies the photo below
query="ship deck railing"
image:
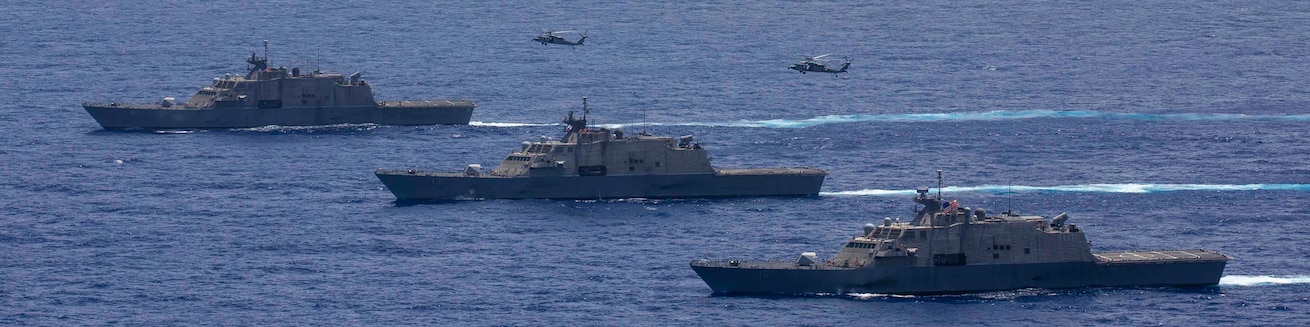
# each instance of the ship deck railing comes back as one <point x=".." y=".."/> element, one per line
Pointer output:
<point x="145" y="105"/>
<point x="425" y="173"/>
<point x="778" y="264"/>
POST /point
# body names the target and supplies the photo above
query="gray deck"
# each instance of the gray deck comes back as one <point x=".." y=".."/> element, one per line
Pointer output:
<point x="424" y="103"/>
<point x="381" y="104"/>
<point x="771" y="171"/>
<point x="742" y="264"/>
<point x="725" y="172"/>
<point x="1160" y="256"/>
<point x="150" y="105"/>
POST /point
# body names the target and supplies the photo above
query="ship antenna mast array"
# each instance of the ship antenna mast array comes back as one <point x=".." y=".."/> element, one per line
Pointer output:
<point x="1009" y="196"/>
<point x="266" y="51"/>
<point x="585" y="111"/>
<point x="939" y="184"/>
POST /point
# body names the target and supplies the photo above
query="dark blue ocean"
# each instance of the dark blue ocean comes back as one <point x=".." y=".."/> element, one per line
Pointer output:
<point x="1154" y="124"/>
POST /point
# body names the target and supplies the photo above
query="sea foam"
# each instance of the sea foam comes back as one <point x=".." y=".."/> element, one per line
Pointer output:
<point x="1084" y="188"/>
<point x="1240" y="280"/>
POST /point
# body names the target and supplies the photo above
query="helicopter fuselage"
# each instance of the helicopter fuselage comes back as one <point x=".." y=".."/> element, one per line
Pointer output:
<point x="550" y="38"/>
<point x="810" y="66"/>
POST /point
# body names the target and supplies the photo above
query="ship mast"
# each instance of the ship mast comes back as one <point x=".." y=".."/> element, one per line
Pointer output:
<point x="939" y="184"/>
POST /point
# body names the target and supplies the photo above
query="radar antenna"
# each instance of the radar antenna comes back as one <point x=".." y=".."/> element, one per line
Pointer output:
<point x="575" y="126"/>
<point x="257" y="63"/>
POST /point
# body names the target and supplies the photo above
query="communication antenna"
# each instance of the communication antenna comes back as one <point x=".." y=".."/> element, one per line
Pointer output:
<point x="266" y="51"/>
<point x="1009" y="197"/>
<point x="939" y="184"/>
<point x="585" y="110"/>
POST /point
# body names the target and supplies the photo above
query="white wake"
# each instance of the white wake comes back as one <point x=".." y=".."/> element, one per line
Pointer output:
<point x="1084" y="188"/>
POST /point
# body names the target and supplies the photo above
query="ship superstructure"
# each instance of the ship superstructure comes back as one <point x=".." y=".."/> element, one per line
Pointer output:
<point x="589" y="163"/>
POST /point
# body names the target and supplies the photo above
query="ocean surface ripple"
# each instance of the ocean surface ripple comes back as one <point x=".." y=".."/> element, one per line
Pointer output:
<point x="1154" y="125"/>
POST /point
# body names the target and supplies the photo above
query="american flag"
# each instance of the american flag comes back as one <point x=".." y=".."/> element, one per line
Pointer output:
<point x="951" y="207"/>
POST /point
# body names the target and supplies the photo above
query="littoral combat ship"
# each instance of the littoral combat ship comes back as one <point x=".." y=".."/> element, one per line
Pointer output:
<point x="274" y="96"/>
<point x="589" y="163"/>
<point x="955" y="250"/>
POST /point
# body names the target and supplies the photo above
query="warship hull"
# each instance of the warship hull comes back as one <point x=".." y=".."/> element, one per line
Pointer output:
<point x="122" y="116"/>
<point x="782" y="182"/>
<point x="1124" y="269"/>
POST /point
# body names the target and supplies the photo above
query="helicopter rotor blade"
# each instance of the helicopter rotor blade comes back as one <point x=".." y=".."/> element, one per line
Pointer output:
<point x="821" y="56"/>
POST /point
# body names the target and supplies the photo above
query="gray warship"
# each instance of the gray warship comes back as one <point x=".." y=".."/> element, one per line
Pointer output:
<point x="587" y="163"/>
<point x="955" y="250"/>
<point x="275" y="96"/>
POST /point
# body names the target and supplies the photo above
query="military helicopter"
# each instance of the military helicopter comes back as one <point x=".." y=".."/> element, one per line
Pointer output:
<point x="553" y="37"/>
<point x="815" y="64"/>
